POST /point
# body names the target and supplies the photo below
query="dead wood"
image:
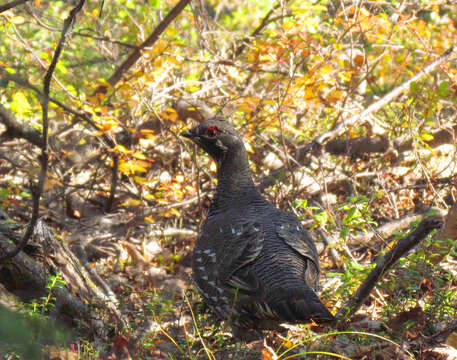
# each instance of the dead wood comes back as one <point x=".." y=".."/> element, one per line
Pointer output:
<point x="26" y="278"/>
<point x="379" y="144"/>
<point x="25" y="275"/>
<point x="358" y="147"/>
<point x="385" y="263"/>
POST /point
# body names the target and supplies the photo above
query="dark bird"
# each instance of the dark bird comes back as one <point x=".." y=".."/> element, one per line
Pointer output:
<point x="254" y="265"/>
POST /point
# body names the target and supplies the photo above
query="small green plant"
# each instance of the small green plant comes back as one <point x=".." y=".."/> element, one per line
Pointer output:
<point x="357" y="215"/>
<point x="321" y="217"/>
<point x="47" y="302"/>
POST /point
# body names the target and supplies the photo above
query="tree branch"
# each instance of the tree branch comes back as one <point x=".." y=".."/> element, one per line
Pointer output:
<point x="16" y="129"/>
<point x="37" y="190"/>
<point x="404" y="245"/>
<point x="11" y="5"/>
<point x="265" y="21"/>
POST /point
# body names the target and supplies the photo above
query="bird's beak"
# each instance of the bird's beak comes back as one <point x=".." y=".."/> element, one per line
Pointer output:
<point x="192" y="135"/>
<point x="188" y="134"/>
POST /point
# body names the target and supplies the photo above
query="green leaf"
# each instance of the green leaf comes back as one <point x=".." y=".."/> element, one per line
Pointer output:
<point x="443" y="89"/>
<point x="414" y="86"/>
<point x="20" y="105"/>
<point x="356" y="266"/>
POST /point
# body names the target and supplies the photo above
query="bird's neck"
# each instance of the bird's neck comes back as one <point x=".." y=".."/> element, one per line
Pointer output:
<point x="234" y="178"/>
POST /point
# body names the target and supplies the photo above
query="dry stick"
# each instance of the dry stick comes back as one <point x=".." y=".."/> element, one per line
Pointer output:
<point x="11" y="5"/>
<point x="385" y="263"/>
<point x="38" y="189"/>
<point x="339" y="128"/>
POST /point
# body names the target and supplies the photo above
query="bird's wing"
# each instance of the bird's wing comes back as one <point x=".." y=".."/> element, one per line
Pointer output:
<point x="232" y="248"/>
<point x="294" y="235"/>
<point x="243" y="244"/>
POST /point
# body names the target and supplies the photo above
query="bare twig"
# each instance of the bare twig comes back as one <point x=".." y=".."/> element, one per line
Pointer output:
<point x="38" y="189"/>
<point x="107" y="39"/>
<point x="265" y="21"/>
<point x="172" y="232"/>
<point x="114" y="181"/>
<point x="386" y="230"/>
<point x="5" y="75"/>
<point x="385" y="263"/>
<point x="11" y="5"/>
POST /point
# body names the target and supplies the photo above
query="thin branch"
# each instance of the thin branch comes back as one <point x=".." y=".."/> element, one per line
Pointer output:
<point x="265" y="21"/>
<point x="17" y="129"/>
<point x="11" y="5"/>
<point x="114" y="182"/>
<point x="107" y="39"/>
<point x="38" y="190"/>
<point x="404" y="245"/>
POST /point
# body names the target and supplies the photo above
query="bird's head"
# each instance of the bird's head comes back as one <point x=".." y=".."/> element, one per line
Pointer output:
<point x="216" y="136"/>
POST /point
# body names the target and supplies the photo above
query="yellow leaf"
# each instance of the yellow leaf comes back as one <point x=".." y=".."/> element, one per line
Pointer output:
<point x="139" y="155"/>
<point x="17" y="20"/>
<point x="121" y="149"/>
<point x="170" y="114"/>
<point x="427" y="137"/>
<point x="52" y="184"/>
<point x="140" y="180"/>
<point x="148" y="133"/>
<point x="131" y="202"/>
<point x="149" y="220"/>
<point x="139" y="168"/>
<point x="248" y="148"/>
<point x="175" y="212"/>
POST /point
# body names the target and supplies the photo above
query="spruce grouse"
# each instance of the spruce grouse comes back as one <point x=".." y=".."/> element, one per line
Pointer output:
<point x="254" y="265"/>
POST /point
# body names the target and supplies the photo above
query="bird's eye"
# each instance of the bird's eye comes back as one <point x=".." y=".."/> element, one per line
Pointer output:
<point x="212" y="131"/>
